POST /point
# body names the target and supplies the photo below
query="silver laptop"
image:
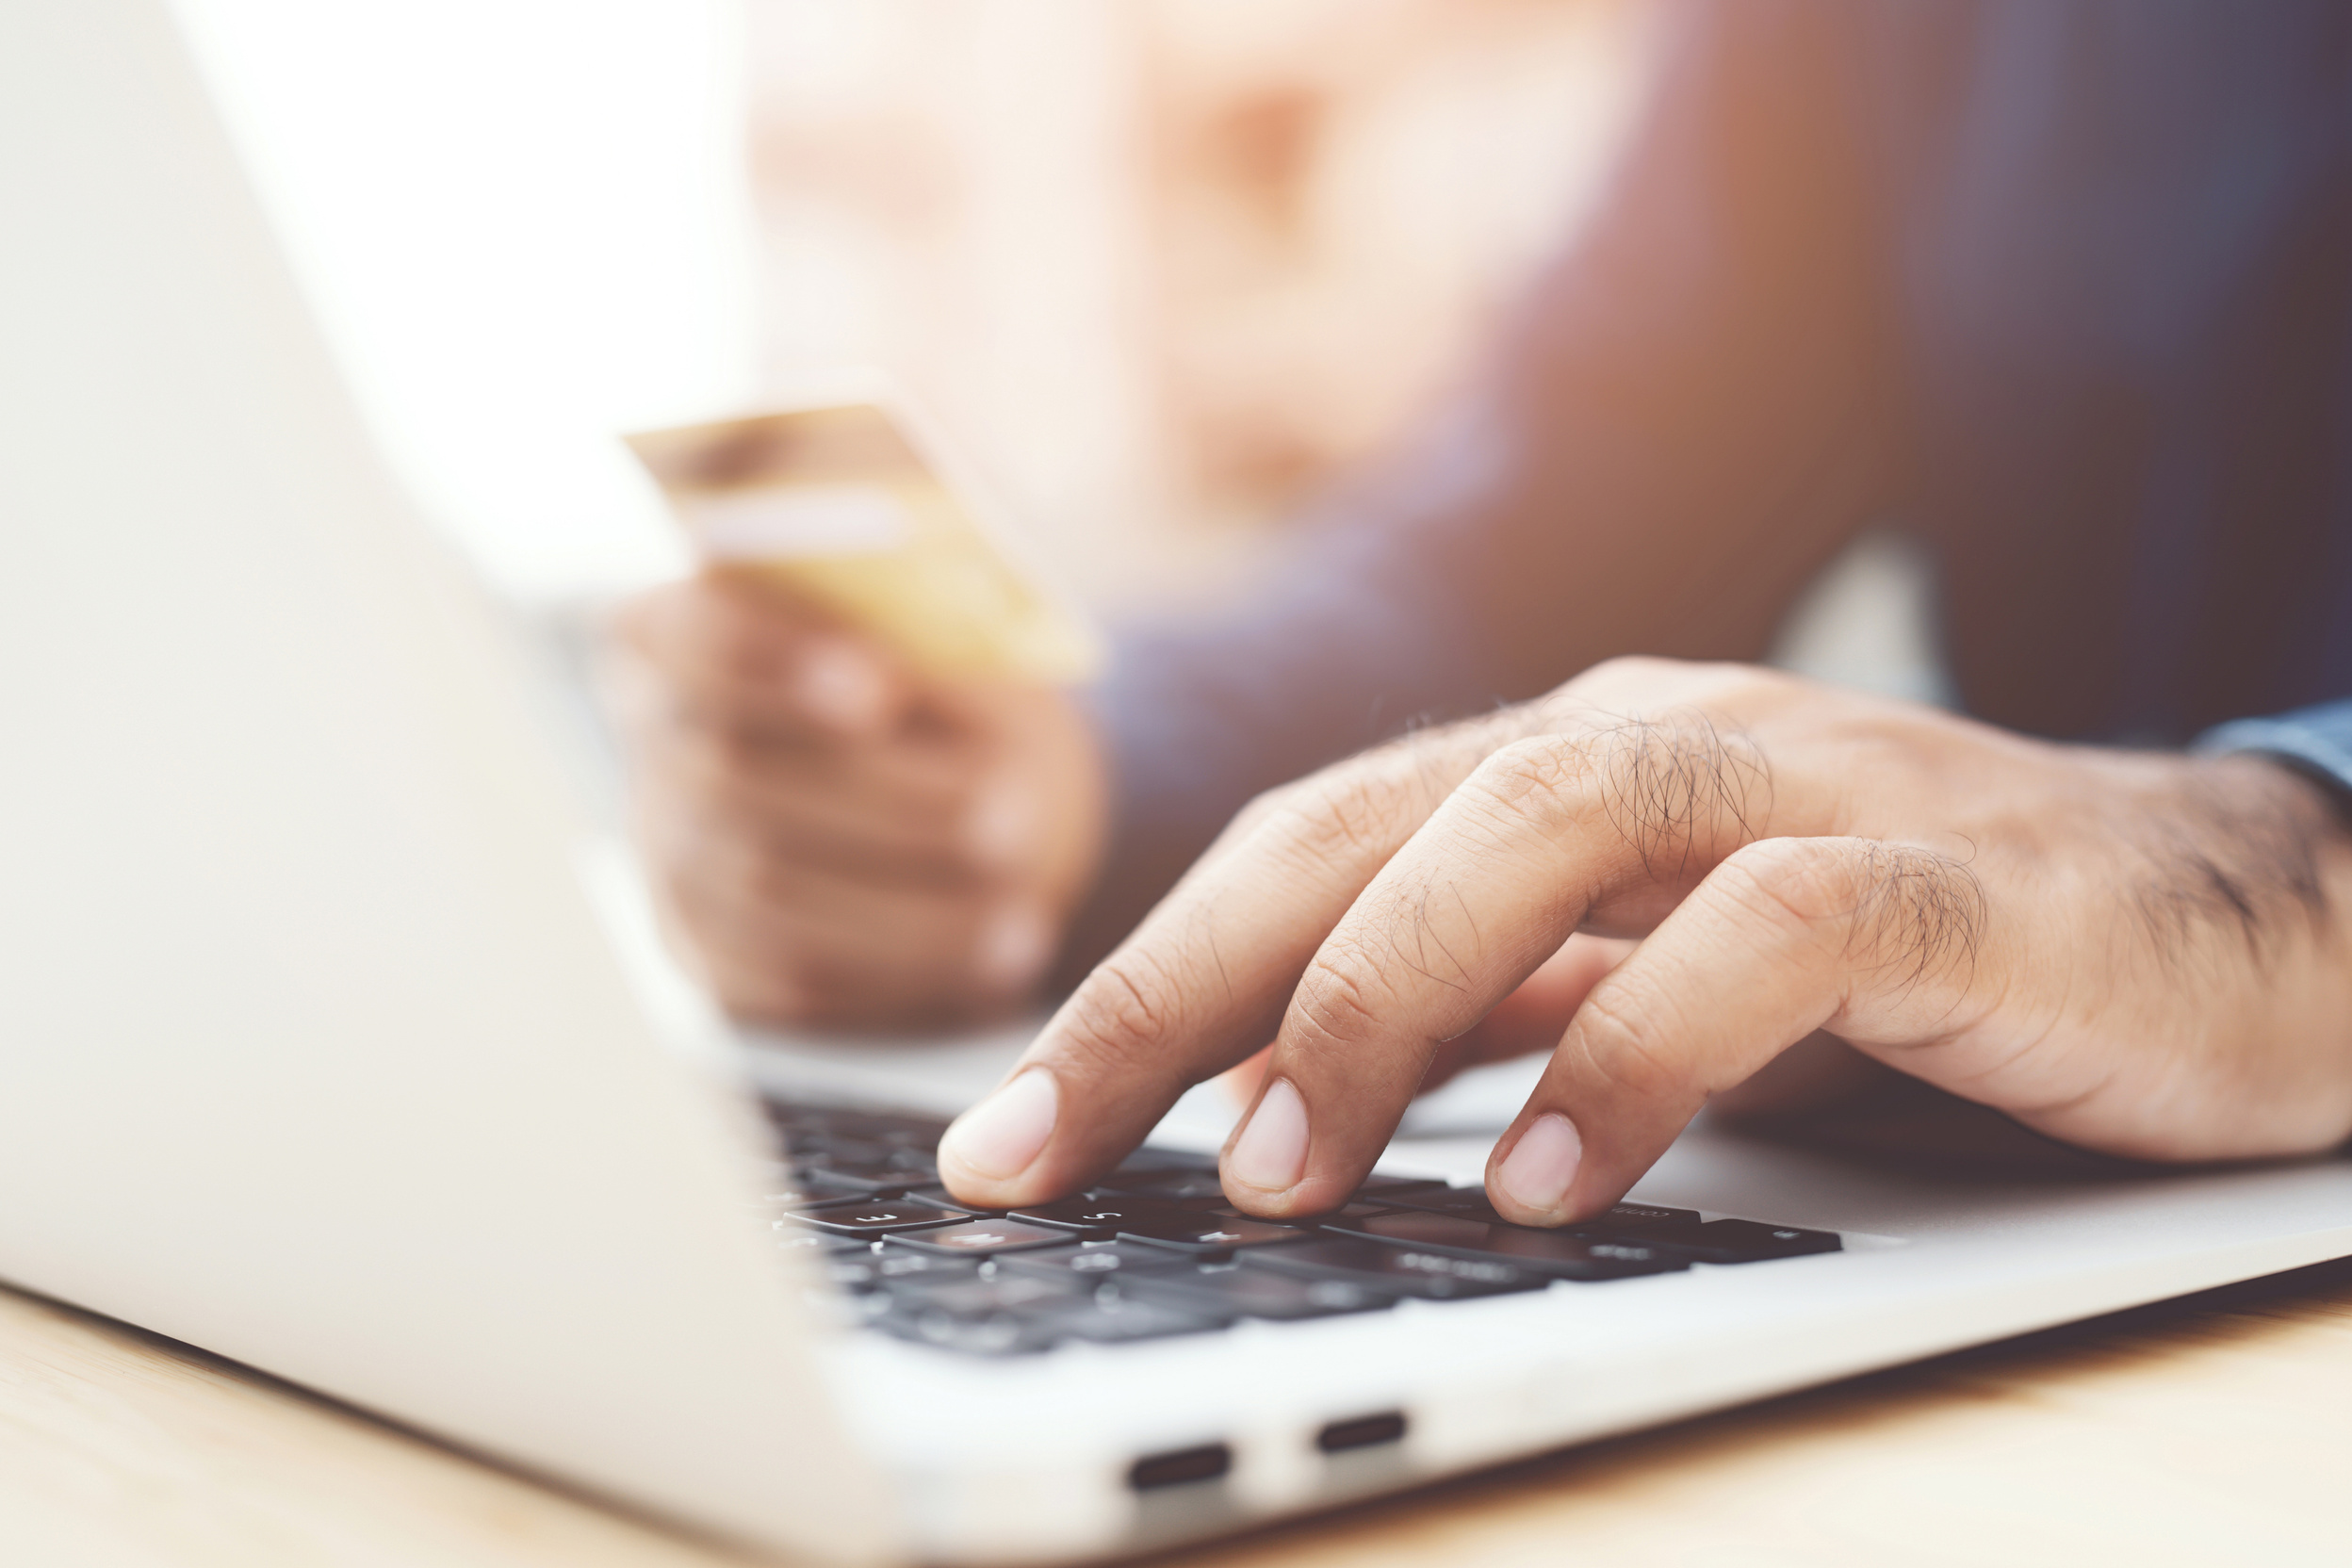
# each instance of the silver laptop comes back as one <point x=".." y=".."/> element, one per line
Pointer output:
<point x="320" y="1055"/>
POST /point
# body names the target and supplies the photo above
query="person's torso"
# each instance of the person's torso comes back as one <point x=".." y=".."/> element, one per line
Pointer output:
<point x="2123" y="234"/>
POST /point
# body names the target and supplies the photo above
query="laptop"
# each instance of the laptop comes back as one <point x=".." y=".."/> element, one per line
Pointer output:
<point x="327" y="1050"/>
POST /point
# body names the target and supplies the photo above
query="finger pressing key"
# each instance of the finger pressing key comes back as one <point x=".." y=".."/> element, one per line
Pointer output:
<point x="1535" y="843"/>
<point x="1202" y="982"/>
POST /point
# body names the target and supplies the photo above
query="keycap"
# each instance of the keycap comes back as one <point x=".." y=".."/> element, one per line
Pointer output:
<point x="894" y="1170"/>
<point x="1146" y="1160"/>
<point x="1116" y="1316"/>
<point x="1644" y="1219"/>
<point x="1387" y="1188"/>
<point x="940" y="1197"/>
<point x="790" y="1195"/>
<point x="983" y="1293"/>
<point x="1443" y="1199"/>
<point x="889" y="1127"/>
<point x="1238" y="1288"/>
<point x="985" y="1238"/>
<point x="1099" y="1260"/>
<point x="1728" y="1241"/>
<point x="1205" y="1229"/>
<point x="874" y="1267"/>
<point x="817" y="1176"/>
<point x="1099" y="1218"/>
<point x="1399" y="1270"/>
<point x="1553" y="1252"/>
<point x="797" y="1238"/>
<point x="993" y="1315"/>
<point x="1167" y="1186"/>
<point x="874" y="1220"/>
<point x="1652" y="1222"/>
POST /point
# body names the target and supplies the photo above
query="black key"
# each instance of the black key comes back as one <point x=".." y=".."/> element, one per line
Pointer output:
<point x="876" y="1219"/>
<point x="1398" y="1270"/>
<point x="995" y="1313"/>
<point x="1148" y="1160"/>
<point x="1445" y="1200"/>
<point x="1098" y="1261"/>
<point x="1653" y="1221"/>
<point x="867" y="1166"/>
<point x="1558" y="1254"/>
<point x="795" y="1120"/>
<point x="817" y="1175"/>
<point x="789" y="1194"/>
<point x="983" y="1293"/>
<point x="1167" y="1186"/>
<point x="1098" y="1219"/>
<point x="796" y="1238"/>
<point x="940" y="1197"/>
<point x="892" y="1128"/>
<point x="1238" y="1289"/>
<point x="918" y="1160"/>
<point x="1725" y="1241"/>
<point x="1114" y="1316"/>
<point x="1205" y="1229"/>
<point x="1388" y="1188"/>
<point x="831" y="1148"/>
<point x="877" y="1267"/>
<point x="980" y="1238"/>
<point x="1003" y="1315"/>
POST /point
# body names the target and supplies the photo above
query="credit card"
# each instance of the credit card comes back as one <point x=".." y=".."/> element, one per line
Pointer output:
<point x="845" y="506"/>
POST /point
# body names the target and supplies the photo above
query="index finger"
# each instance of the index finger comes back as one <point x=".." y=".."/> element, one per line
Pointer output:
<point x="1204" y="980"/>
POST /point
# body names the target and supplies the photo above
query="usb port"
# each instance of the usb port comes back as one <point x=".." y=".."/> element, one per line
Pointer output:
<point x="1361" y="1432"/>
<point x="1179" y="1465"/>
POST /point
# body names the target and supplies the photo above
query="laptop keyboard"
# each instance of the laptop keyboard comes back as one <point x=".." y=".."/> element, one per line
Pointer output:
<point x="1155" y="1250"/>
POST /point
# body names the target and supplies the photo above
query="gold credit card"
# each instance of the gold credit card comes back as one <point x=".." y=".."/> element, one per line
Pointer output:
<point x="840" y="504"/>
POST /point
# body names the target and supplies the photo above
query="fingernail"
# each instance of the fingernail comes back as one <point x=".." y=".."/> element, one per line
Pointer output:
<point x="1014" y="947"/>
<point x="1271" y="1152"/>
<point x="1536" y="1173"/>
<point x="839" y="685"/>
<point x="1000" y="1135"/>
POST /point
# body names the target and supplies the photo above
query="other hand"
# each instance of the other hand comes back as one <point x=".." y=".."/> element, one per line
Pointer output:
<point x="838" y="841"/>
<point x="2145" y="955"/>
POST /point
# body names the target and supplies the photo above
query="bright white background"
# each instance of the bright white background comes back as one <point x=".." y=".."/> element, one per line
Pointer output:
<point x="525" y="224"/>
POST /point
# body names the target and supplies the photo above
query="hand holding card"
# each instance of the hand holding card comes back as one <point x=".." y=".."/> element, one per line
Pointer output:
<point x="861" y="791"/>
<point x="840" y="505"/>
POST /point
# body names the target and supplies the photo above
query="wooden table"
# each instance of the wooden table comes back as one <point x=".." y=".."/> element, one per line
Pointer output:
<point x="2212" y="1430"/>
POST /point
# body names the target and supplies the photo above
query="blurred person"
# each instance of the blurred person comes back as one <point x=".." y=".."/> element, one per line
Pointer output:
<point x="2063" y="289"/>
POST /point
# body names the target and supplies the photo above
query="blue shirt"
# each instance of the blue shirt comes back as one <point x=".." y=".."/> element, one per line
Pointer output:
<point x="2065" y="286"/>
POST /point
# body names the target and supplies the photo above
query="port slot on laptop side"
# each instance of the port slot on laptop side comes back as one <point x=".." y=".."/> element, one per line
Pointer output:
<point x="1361" y="1432"/>
<point x="1180" y="1465"/>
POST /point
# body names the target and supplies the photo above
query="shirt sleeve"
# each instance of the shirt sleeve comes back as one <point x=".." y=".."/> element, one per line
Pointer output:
<point x="2315" y="740"/>
<point x="1687" y="413"/>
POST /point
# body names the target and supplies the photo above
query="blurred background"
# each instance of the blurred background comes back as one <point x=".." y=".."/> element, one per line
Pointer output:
<point x="1158" y="266"/>
<point x="1164" y="265"/>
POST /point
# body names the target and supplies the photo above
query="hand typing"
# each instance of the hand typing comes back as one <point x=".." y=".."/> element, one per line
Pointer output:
<point x="2142" y="953"/>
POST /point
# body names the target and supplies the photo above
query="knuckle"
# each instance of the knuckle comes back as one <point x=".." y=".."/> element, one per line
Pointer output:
<point x="1340" y="813"/>
<point x="1623" y="1041"/>
<point x="1536" y="773"/>
<point x="1125" y="1010"/>
<point x="1805" y="881"/>
<point x="1339" y="1001"/>
<point x="1891" y="906"/>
